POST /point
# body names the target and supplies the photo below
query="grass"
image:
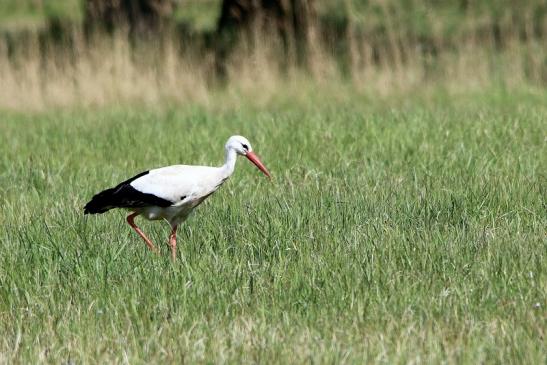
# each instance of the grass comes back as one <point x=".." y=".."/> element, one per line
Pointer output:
<point x="34" y="14"/>
<point x="394" y="231"/>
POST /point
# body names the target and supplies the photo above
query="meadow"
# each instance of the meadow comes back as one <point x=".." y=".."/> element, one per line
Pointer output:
<point x="403" y="229"/>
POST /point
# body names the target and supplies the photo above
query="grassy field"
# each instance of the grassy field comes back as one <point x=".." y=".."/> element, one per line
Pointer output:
<point x="402" y="231"/>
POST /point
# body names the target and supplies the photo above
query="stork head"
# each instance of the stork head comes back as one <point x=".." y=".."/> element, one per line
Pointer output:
<point x="242" y="146"/>
<point x="239" y="144"/>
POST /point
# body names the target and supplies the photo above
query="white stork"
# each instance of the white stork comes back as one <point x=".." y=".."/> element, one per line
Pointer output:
<point x="171" y="192"/>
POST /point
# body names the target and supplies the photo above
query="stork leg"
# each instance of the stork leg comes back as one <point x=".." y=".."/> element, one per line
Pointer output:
<point x="173" y="242"/>
<point x="130" y="220"/>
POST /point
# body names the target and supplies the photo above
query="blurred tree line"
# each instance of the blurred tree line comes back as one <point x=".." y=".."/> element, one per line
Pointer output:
<point x="382" y="31"/>
<point x="391" y="26"/>
<point x="291" y="21"/>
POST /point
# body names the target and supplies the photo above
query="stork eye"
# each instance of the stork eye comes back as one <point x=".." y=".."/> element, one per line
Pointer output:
<point x="245" y="147"/>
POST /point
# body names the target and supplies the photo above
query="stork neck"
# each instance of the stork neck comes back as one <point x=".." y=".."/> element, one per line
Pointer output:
<point x="229" y="162"/>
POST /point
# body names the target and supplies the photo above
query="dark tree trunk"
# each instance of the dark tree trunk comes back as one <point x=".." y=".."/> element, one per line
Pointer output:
<point x="140" y="17"/>
<point x="292" y="22"/>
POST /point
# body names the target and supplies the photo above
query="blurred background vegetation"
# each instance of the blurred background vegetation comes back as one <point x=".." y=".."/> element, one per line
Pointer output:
<point x="57" y="52"/>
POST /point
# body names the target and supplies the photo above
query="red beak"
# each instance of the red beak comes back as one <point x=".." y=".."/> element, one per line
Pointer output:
<point x="254" y="159"/>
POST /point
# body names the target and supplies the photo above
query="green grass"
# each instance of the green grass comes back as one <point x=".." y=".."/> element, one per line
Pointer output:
<point x="200" y="15"/>
<point x="28" y="14"/>
<point x="393" y="232"/>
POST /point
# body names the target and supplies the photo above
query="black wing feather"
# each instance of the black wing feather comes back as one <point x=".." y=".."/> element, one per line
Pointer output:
<point x="124" y="195"/>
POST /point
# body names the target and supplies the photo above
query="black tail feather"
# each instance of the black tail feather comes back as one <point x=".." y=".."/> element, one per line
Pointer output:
<point x="101" y="202"/>
<point x="123" y="196"/>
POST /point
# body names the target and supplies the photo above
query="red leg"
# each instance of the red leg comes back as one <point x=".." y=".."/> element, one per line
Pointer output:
<point x="130" y="220"/>
<point x="173" y="242"/>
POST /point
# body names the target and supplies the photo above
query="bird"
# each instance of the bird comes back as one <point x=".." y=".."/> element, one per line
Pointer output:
<point x="171" y="193"/>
